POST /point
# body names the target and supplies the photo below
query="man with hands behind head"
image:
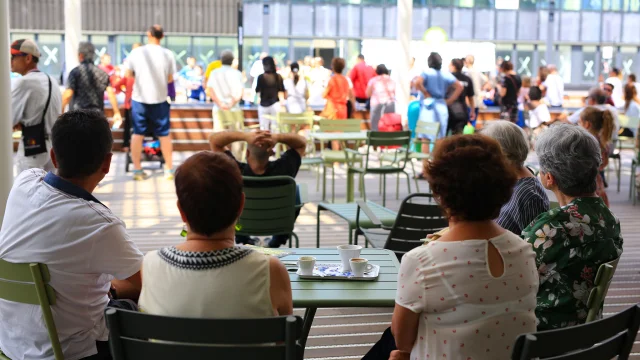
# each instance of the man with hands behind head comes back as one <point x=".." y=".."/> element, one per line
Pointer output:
<point x="260" y="146"/>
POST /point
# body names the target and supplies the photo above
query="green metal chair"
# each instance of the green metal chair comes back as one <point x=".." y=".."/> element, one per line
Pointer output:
<point x="397" y="166"/>
<point x="610" y="338"/>
<point x="134" y="335"/>
<point x="600" y="288"/>
<point x="269" y="207"/>
<point x="633" y="190"/>
<point x="630" y="123"/>
<point x="423" y="132"/>
<point x="29" y="284"/>
<point x="331" y="157"/>
<point x="290" y="123"/>
<point x="418" y="216"/>
<point x="554" y="204"/>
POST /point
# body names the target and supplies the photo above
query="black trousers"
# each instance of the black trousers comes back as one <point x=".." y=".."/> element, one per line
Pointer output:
<point x="383" y="348"/>
<point x="104" y="353"/>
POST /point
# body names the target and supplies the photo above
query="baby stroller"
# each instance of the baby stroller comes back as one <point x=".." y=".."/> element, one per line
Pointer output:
<point x="151" y="151"/>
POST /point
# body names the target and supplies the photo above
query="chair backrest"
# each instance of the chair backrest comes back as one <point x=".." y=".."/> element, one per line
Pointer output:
<point x="608" y="338"/>
<point x="269" y="207"/>
<point x="29" y="284"/>
<point x="286" y="120"/>
<point x="600" y="288"/>
<point x="134" y="335"/>
<point x="400" y="139"/>
<point x="418" y="216"/>
<point x="347" y="125"/>
<point x="231" y="119"/>
<point x="628" y="122"/>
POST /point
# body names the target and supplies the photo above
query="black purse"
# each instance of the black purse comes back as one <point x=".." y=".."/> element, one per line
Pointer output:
<point x="34" y="137"/>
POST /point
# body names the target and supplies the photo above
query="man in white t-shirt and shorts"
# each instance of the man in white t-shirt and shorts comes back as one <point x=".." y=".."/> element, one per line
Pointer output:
<point x="153" y="67"/>
<point x="36" y="102"/>
<point x="53" y="219"/>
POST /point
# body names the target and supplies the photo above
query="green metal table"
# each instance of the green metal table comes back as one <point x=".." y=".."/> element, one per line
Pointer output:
<point x="314" y="294"/>
<point x="339" y="136"/>
<point x="349" y="211"/>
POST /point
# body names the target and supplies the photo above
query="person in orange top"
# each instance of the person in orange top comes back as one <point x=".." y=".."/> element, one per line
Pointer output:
<point x="336" y="93"/>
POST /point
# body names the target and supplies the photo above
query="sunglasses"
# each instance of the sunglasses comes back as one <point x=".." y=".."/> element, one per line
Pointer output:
<point x="13" y="56"/>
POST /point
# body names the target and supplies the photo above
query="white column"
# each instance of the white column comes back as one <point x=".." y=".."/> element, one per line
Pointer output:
<point x="72" y="33"/>
<point x="6" y="145"/>
<point x="404" y="33"/>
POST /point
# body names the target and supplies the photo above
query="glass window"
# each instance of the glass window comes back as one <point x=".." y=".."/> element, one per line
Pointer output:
<point x="227" y="43"/>
<point x="302" y="49"/>
<point x="631" y="5"/>
<point x="180" y="46"/>
<point x="564" y="62"/>
<point x="18" y="36"/>
<point x="534" y="4"/>
<point x="252" y="19"/>
<point x="590" y="27"/>
<point x="506" y="25"/>
<point x="419" y="3"/>
<point x="611" y="27"/>
<point x="278" y="19"/>
<point x="124" y="44"/>
<point x="588" y="64"/>
<point x="374" y="25"/>
<point x="543" y="17"/>
<point x="101" y="43"/>
<point x="542" y="59"/>
<point x="611" y="5"/>
<point x="570" y="24"/>
<point x="204" y="50"/>
<point x="593" y="5"/>
<point x="440" y="2"/>
<point x="524" y="64"/>
<point x="628" y="56"/>
<point x="420" y="22"/>
<point x="462" y="21"/>
<point x="353" y="50"/>
<point x="463" y="3"/>
<point x="391" y="22"/>
<point x="504" y="52"/>
<point x="349" y="21"/>
<point x="525" y="30"/>
<point x="250" y="54"/>
<point x="442" y="18"/>
<point x="484" y="25"/>
<point x="51" y="54"/>
<point x="571" y="5"/>
<point x="279" y="49"/>
<point x="326" y="16"/>
<point x="631" y="28"/>
<point x="485" y="4"/>
<point x="301" y="23"/>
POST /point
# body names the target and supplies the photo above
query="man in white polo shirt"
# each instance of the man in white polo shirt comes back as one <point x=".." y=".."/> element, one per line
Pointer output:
<point x="52" y="218"/>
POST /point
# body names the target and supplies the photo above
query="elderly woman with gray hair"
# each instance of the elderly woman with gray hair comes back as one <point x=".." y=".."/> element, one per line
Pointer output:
<point x="529" y="198"/>
<point x="572" y="241"/>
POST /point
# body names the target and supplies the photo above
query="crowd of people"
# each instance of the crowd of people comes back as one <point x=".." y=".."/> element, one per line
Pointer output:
<point x="508" y="263"/>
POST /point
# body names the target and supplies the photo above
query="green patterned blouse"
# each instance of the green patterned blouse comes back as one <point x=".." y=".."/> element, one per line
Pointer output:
<point x="570" y="244"/>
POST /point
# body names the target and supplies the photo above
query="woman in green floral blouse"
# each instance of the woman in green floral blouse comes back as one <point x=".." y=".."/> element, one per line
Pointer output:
<point x="572" y="241"/>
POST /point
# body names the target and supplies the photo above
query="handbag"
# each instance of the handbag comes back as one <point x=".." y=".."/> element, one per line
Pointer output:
<point x="33" y="136"/>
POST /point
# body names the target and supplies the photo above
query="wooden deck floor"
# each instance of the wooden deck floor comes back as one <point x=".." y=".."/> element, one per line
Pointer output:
<point x="149" y="210"/>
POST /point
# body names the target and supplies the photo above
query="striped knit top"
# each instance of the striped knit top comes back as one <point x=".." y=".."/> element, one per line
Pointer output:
<point x="529" y="200"/>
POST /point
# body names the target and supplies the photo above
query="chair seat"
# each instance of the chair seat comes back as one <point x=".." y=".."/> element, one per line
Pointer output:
<point x="376" y="237"/>
<point x="386" y="169"/>
<point x="312" y="161"/>
<point x="331" y="156"/>
<point x="390" y="157"/>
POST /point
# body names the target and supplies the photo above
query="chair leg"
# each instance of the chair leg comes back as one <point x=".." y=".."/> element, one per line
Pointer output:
<point x="380" y="186"/>
<point x="361" y="185"/>
<point x="317" y="178"/>
<point x="324" y="182"/>
<point x="413" y="169"/>
<point x="364" y="190"/>
<point x="408" y="182"/>
<point x="297" y="240"/>
<point x="384" y="190"/>
<point x="333" y="184"/>
<point x="397" y="186"/>
<point x="619" y="172"/>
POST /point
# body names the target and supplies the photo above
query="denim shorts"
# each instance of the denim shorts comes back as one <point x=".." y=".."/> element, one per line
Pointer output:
<point x="155" y="116"/>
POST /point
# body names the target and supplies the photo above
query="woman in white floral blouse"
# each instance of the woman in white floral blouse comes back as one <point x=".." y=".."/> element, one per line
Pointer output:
<point x="572" y="241"/>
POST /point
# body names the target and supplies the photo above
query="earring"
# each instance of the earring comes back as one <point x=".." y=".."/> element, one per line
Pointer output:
<point x="183" y="233"/>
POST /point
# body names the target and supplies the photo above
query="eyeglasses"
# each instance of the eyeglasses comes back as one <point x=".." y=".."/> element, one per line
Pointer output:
<point x="13" y="56"/>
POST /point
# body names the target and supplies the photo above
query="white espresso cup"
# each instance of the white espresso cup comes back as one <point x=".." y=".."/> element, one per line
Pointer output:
<point x="306" y="265"/>
<point x="348" y="252"/>
<point x="358" y="266"/>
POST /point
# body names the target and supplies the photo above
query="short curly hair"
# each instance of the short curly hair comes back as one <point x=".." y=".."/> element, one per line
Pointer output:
<point x="470" y="177"/>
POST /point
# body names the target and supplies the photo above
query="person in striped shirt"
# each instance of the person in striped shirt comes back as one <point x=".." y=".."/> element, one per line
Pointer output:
<point x="529" y="198"/>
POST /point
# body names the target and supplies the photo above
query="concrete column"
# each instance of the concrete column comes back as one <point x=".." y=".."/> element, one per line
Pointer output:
<point x="550" y="56"/>
<point x="72" y="33"/>
<point x="404" y="33"/>
<point x="6" y="145"/>
<point x="265" y="27"/>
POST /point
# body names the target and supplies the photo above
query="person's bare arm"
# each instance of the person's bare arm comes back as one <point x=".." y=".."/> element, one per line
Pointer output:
<point x="117" y="118"/>
<point x="457" y="90"/>
<point x="170" y="79"/>
<point x="66" y="98"/>
<point x="418" y="83"/>
<point x="128" y="73"/>
<point x="129" y="288"/>
<point x="220" y="140"/>
<point x="369" y="90"/>
<point x="296" y="142"/>
<point x="472" y="106"/>
<point x="280" y="290"/>
<point x="352" y="99"/>
<point x="404" y="327"/>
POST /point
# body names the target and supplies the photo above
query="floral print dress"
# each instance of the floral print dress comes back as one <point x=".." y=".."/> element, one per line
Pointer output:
<point x="570" y="244"/>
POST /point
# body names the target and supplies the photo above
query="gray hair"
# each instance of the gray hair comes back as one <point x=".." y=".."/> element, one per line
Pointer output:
<point x="572" y="156"/>
<point x="511" y="138"/>
<point x="87" y="50"/>
<point x="226" y="57"/>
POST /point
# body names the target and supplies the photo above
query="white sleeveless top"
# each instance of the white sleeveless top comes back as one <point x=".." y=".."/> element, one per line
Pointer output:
<point x="465" y="312"/>
<point x="228" y="283"/>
